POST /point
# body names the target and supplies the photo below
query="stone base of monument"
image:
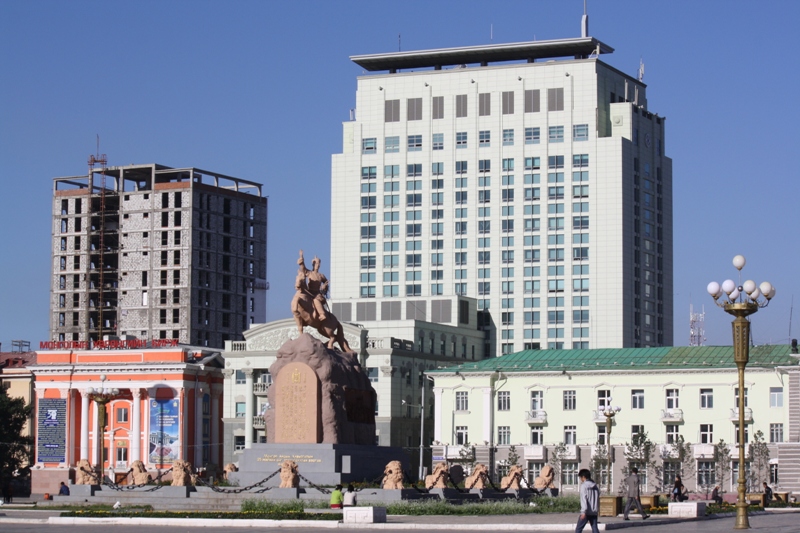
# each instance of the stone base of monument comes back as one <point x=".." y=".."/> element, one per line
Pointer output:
<point x="455" y="495"/>
<point x="322" y="464"/>
<point x="283" y="494"/>
<point x="380" y="495"/>
<point x="491" y="494"/>
<point x="83" y="490"/>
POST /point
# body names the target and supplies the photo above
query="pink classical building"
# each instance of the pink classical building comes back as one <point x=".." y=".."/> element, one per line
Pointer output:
<point x="158" y="405"/>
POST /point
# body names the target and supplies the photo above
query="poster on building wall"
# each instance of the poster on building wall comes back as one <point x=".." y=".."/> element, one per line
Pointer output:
<point x="164" y="431"/>
<point x="52" y="430"/>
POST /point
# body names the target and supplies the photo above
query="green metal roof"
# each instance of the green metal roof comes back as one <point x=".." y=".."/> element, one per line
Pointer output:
<point x="663" y="358"/>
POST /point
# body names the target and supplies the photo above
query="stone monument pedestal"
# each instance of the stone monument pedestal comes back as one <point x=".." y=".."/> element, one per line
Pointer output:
<point x="322" y="464"/>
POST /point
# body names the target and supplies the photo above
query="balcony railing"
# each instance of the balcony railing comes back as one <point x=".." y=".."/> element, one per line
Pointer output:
<point x="703" y="451"/>
<point x="573" y="452"/>
<point x="535" y="452"/>
<point x="598" y="417"/>
<point x="259" y="422"/>
<point x="539" y="416"/>
<point x="672" y="415"/>
<point x="748" y="414"/>
<point x="261" y="389"/>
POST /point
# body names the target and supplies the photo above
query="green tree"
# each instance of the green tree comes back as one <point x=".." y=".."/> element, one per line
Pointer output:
<point x="722" y="466"/>
<point x="681" y="452"/>
<point x="640" y="453"/>
<point x="513" y="456"/>
<point x="15" y="449"/>
<point x="758" y="450"/>
<point x="599" y="465"/>
<point x="556" y="459"/>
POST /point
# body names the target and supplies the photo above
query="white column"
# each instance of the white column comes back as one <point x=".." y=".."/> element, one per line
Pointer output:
<point x="248" y="413"/>
<point x="98" y="436"/>
<point x="84" y="425"/>
<point x="214" y="441"/>
<point x="488" y="413"/>
<point x="198" y="425"/>
<point x="136" y="426"/>
<point x="437" y="414"/>
<point x="184" y="436"/>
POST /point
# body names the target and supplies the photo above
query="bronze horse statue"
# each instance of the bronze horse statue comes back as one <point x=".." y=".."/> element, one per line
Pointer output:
<point x="305" y="315"/>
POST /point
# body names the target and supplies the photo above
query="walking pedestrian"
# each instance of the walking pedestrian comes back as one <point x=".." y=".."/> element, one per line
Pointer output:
<point x="634" y="495"/>
<point x="679" y="491"/>
<point x="767" y="494"/>
<point x="590" y="502"/>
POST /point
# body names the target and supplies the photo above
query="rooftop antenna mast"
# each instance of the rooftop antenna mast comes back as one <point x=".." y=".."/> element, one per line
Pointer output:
<point x="584" y="22"/>
<point x="399" y="47"/>
<point x="697" y="332"/>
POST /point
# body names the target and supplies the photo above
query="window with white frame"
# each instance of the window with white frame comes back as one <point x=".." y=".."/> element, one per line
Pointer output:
<point x="601" y="435"/>
<point x="603" y="399"/>
<point x="504" y="435"/>
<point x="580" y="132"/>
<point x="773" y="474"/>
<point x="537" y="400"/>
<point x="776" y="432"/>
<point x="673" y="435"/>
<point x="504" y="401"/>
<point x="570" y="435"/>
<point x="707" y="433"/>
<point x="746" y="433"/>
<point x="240" y="377"/>
<point x="637" y="399"/>
<point x="534" y="470"/>
<point x="672" y="399"/>
<point x="462" y="401"/>
<point x="462" y="435"/>
<point x="532" y="135"/>
<point x="569" y="400"/>
<point x="775" y="396"/>
<point x="556" y="134"/>
<point x="569" y="473"/>
<point x="670" y="471"/>
<point x="122" y="415"/>
<point x="537" y="435"/>
<point x="369" y="145"/>
<point x="706" y="475"/>
<point x="438" y="141"/>
<point x="636" y="429"/>
<point x="736" y="397"/>
<point x="706" y="398"/>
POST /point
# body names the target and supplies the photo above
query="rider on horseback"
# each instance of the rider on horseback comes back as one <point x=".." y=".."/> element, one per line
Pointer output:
<point x="314" y="283"/>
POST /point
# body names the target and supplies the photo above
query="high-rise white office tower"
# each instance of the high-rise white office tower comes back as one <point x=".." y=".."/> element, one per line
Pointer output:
<point x="151" y="253"/>
<point x="530" y="176"/>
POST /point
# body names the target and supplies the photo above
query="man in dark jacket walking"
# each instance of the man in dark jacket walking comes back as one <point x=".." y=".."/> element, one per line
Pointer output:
<point x="633" y="494"/>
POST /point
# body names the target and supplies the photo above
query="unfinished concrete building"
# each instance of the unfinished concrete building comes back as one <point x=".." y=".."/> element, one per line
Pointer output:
<point x="153" y="254"/>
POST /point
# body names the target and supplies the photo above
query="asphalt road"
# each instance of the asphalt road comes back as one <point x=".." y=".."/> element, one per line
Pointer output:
<point x="772" y="523"/>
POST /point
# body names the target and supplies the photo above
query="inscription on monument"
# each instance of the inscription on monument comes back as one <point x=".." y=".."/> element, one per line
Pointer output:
<point x="279" y="458"/>
<point x="297" y="411"/>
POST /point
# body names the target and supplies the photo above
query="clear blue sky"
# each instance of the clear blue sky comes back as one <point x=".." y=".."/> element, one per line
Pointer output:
<point x="259" y="90"/>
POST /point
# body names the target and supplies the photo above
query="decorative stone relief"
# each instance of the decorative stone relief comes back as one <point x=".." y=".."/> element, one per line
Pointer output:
<point x="273" y="340"/>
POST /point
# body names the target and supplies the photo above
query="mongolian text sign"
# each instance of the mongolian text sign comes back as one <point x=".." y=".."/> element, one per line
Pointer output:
<point x="51" y="436"/>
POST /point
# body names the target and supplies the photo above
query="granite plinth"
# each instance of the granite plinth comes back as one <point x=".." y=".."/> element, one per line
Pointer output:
<point x="83" y="490"/>
<point x="394" y="495"/>
<point x="321" y="464"/>
<point x="454" y="494"/>
<point x="491" y="494"/>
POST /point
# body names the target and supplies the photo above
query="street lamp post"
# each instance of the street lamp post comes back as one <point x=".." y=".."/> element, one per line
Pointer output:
<point x="736" y="303"/>
<point x="101" y="397"/>
<point x="609" y="412"/>
<point x="421" y="427"/>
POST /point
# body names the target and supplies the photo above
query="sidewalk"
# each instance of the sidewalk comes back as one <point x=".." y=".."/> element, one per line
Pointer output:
<point x="524" y="522"/>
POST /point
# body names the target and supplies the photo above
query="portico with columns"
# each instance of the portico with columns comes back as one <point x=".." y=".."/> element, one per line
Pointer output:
<point x="159" y="405"/>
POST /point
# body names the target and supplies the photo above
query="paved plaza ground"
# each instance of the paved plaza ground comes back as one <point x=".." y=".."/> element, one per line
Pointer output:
<point x="13" y="521"/>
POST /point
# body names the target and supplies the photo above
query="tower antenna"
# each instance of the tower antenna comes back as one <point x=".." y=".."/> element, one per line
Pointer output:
<point x="584" y="22"/>
<point x="697" y="333"/>
<point x="399" y="47"/>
